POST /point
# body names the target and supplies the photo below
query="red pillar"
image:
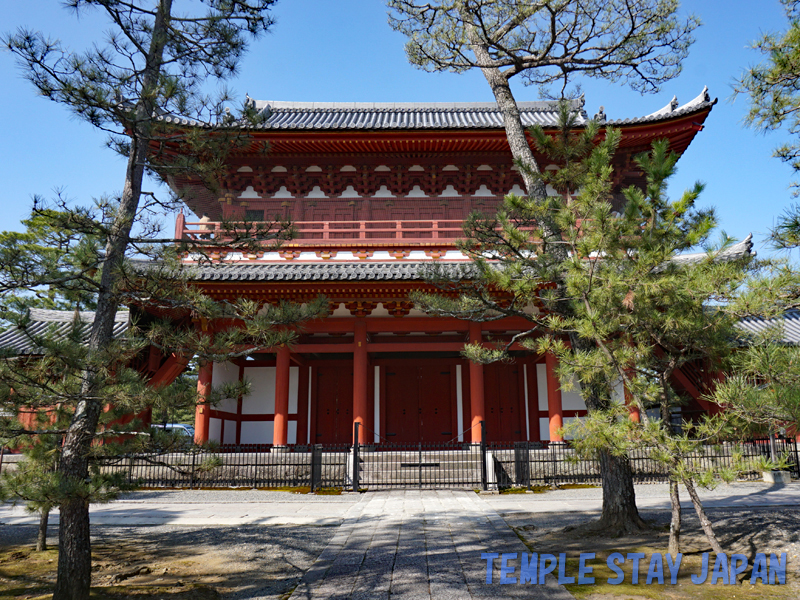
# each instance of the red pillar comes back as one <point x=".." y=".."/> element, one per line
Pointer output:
<point x="554" y="408"/>
<point x="476" y="399"/>
<point x="201" y="414"/>
<point x="633" y="409"/>
<point x="281" y="423"/>
<point x="360" y="380"/>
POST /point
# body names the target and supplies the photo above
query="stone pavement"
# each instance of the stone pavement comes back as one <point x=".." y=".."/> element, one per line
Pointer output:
<point x="414" y="545"/>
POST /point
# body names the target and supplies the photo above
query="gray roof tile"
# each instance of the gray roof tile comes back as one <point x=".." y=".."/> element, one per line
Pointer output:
<point x="789" y="324"/>
<point x="322" y="116"/>
<point x="322" y="271"/>
<point x="56" y="323"/>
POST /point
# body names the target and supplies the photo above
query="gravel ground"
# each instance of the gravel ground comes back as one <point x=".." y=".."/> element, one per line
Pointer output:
<point x="769" y="530"/>
<point x="243" y="563"/>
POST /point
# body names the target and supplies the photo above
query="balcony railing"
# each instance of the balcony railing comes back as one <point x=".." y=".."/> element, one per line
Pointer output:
<point x="333" y="232"/>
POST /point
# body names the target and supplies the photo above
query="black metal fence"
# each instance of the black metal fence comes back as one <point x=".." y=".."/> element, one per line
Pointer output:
<point x="421" y="465"/>
<point x="239" y="466"/>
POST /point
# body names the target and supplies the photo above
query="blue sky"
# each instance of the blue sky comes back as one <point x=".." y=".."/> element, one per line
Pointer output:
<point x="344" y="51"/>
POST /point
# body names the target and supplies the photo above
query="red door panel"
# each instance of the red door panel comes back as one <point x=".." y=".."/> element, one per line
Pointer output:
<point x="402" y="404"/>
<point x="501" y="385"/>
<point x="435" y="405"/>
<point x="334" y="405"/>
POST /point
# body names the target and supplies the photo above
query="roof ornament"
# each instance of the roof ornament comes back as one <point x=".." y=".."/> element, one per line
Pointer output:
<point x="265" y="113"/>
<point x="228" y="118"/>
<point x="600" y="116"/>
<point x="673" y="104"/>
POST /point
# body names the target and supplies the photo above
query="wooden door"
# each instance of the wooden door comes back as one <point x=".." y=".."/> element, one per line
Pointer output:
<point x="436" y="422"/>
<point x="402" y="404"/>
<point x="334" y="405"/>
<point x="502" y="403"/>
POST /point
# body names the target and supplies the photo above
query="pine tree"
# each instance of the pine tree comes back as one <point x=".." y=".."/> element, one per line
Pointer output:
<point x="155" y="62"/>
<point x="640" y="43"/>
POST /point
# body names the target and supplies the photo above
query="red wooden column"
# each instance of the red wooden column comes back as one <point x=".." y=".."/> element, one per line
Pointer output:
<point x="360" y="379"/>
<point x="201" y="414"/>
<point x="633" y="409"/>
<point x="476" y="398"/>
<point x="554" y="407"/>
<point x="281" y="423"/>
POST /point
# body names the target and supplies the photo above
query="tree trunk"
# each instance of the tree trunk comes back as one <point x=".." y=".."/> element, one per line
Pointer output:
<point x="74" y="541"/>
<point x="41" y="540"/>
<point x="675" y="523"/>
<point x="705" y="522"/>
<point x="620" y="515"/>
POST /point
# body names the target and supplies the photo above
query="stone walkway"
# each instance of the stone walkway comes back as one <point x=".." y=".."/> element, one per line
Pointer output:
<point x="413" y="545"/>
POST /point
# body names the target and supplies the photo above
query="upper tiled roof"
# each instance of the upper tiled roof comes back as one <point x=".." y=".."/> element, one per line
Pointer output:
<point x="56" y="323"/>
<point x="789" y="324"/>
<point x="321" y="116"/>
<point x="376" y="270"/>
<point x="312" y="271"/>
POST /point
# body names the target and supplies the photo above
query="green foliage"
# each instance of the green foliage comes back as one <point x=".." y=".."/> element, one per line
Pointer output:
<point x="641" y="43"/>
<point x="45" y="265"/>
<point x="772" y="85"/>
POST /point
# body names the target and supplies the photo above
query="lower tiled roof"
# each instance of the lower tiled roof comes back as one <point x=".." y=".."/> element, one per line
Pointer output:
<point x="55" y="323"/>
<point x="787" y="326"/>
<point x="317" y="271"/>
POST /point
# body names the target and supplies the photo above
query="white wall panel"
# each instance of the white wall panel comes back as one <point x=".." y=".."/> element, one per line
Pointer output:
<point x="230" y="432"/>
<point x="256" y="432"/>
<point x="291" y="432"/>
<point x="572" y="400"/>
<point x="261" y="399"/>
<point x="214" y="429"/>
<point x="541" y="386"/>
<point x="221" y="374"/>
<point x="294" y="382"/>
<point x="544" y="429"/>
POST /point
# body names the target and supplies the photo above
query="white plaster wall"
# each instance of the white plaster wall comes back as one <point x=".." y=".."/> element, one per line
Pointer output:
<point x="541" y="387"/>
<point x="256" y="432"/>
<point x="223" y="373"/>
<point x="294" y="382"/>
<point x="572" y="400"/>
<point x="261" y="399"/>
<point x="230" y="432"/>
<point x="214" y="429"/>
<point x="544" y="429"/>
<point x="569" y="400"/>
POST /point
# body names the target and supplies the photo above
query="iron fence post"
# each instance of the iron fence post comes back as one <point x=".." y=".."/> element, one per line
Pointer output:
<point x="796" y="462"/>
<point x="522" y="471"/>
<point x="356" y="426"/>
<point x="484" y="484"/>
<point x="419" y="467"/>
<point x="191" y="476"/>
<point x="316" y="467"/>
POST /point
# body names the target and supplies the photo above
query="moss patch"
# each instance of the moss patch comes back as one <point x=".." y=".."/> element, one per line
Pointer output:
<point x="28" y="574"/>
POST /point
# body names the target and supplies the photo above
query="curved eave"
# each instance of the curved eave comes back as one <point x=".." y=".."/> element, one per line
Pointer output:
<point x="680" y="129"/>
